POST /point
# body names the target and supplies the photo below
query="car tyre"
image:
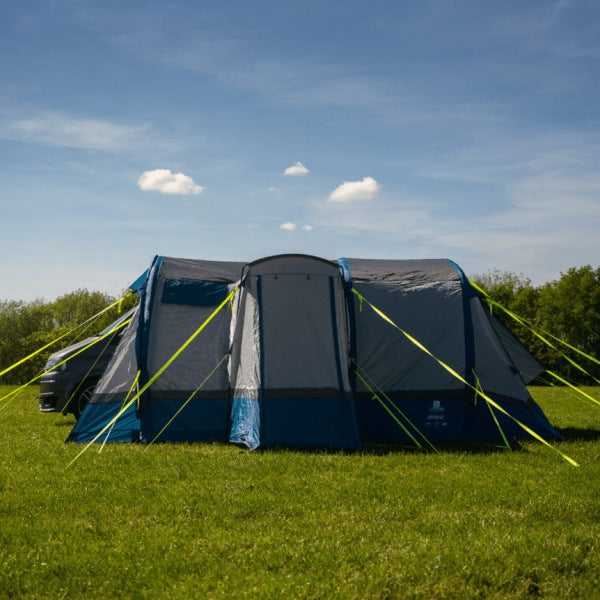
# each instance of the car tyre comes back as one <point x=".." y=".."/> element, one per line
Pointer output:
<point x="83" y="398"/>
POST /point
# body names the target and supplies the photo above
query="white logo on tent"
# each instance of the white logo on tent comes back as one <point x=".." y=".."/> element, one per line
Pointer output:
<point x="436" y="415"/>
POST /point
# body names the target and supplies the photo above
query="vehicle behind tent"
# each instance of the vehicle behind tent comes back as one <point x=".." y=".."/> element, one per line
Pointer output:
<point x="290" y="351"/>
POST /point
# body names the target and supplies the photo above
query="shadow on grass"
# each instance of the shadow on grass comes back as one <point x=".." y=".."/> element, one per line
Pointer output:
<point x="70" y="423"/>
<point x="441" y="447"/>
<point x="383" y="449"/>
<point x="577" y="433"/>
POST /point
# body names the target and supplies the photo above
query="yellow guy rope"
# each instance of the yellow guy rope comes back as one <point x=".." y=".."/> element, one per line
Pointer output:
<point x="463" y="380"/>
<point x="167" y="364"/>
<point x="20" y="362"/>
<point x="376" y="396"/>
<point x="93" y="343"/>
<point x="530" y="327"/>
<point x="479" y="390"/>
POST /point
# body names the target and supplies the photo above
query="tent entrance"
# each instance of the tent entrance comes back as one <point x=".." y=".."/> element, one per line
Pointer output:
<point x="294" y="313"/>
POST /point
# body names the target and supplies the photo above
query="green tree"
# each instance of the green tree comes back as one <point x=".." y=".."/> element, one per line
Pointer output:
<point x="570" y="309"/>
<point x="26" y="327"/>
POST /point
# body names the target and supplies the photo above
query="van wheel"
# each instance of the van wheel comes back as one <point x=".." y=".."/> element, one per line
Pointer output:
<point x="83" y="398"/>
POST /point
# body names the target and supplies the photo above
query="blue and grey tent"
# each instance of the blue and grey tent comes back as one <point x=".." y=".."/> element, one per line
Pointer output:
<point x="296" y="350"/>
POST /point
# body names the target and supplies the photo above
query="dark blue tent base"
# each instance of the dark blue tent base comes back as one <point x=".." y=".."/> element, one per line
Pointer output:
<point x="450" y="420"/>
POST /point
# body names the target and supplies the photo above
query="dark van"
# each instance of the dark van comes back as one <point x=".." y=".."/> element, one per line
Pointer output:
<point x="77" y="378"/>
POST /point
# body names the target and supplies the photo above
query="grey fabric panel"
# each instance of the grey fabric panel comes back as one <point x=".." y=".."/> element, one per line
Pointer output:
<point x="492" y="362"/>
<point x="527" y="365"/>
<point x="245" y="362"/>
<point x="431" y="312"/>
<point x="171" y="325"/>
<point x="297" y="327"/>
<point x="122" y="368"/>
<point x="294" y="263"/>
<point x="201" y="270"/>
<point x="413" y="273"/>
<point x="299" y="348"/>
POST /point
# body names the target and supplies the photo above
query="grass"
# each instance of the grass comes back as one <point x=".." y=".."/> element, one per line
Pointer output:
<point x="185" y="521"/>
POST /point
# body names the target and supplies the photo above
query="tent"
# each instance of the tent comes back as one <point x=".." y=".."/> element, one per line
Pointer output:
<point x="295" y="350"/>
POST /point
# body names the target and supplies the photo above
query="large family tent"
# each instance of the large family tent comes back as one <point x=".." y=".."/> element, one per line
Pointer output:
<point x="295" y="350"/>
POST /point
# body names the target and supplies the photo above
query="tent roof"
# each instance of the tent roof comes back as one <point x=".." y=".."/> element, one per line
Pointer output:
<point x="425" y="270"/>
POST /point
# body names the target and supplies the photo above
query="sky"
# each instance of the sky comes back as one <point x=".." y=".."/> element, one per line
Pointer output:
<point x="235" y="130"/>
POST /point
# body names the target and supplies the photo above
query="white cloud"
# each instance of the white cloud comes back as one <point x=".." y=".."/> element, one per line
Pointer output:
<point x="272" y="189"/>
<point x="355" y="190"/>
<point x="296" y="169"/>
<point x="57" y="129"/>
<point x="166" y="182"/>
<point x="307" y="227"/>
<point x="288" y="226"/>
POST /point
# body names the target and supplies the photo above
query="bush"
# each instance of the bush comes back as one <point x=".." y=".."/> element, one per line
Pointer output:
<point x="26" y="327"/>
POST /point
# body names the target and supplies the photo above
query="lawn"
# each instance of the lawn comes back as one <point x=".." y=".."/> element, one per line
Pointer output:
<point x="217" y="521"/>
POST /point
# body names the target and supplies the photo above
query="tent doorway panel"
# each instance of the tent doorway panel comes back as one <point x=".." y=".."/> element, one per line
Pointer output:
<point x="304" y="376"/>
<point x="299" y="345"/>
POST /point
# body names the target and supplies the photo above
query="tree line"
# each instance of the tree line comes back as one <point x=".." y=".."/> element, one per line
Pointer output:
<point x="27" y="326"/>
<point x="568" y="307"/>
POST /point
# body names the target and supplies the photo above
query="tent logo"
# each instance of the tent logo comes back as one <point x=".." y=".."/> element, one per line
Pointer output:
<point x="436" y="415"/>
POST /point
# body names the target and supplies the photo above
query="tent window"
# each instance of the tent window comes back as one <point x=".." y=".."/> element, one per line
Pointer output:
<point x="194" y="293"/>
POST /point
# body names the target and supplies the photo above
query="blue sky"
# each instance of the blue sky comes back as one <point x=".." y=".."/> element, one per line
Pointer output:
<point x="235" y="130"/>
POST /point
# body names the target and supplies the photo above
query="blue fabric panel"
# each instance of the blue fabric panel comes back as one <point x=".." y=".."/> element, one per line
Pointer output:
<point x="309" y="422"/>
<point x="479" y="424"/>
<point x="245" y="422"/>
<point x="440" y="420"/>
<point x="194" y="293"/>
<point x="450" y="421"/>
<point x="140" y="283"/>
<point x="96" y="416"/>
<point x="343" y="262"/>
<point x="202" y="420"/>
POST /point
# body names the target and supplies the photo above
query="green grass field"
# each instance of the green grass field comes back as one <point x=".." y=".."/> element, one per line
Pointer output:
<point x="208" y="520"/>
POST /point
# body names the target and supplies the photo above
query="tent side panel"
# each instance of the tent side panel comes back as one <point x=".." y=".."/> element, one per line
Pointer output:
<point x="431" y="398"/>
<point x="435" y="415"/>
<point x="98" y="416"/>
<point x="526" y="364"/>
<point x="480" y="425"/>
<point x="190" y="400"/>
<point x="110" y="394"/>
<point x="493" y="365"/>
